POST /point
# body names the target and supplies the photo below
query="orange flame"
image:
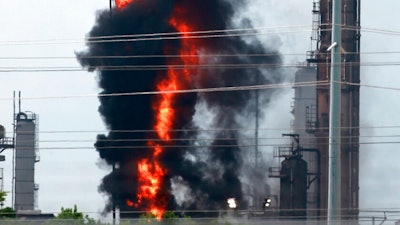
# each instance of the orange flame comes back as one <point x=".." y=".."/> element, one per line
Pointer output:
<point x="165" y="114"/>
<point x="122" y="3"/>
<point x="150" y="172"/>
<point x="150" y="177"/>
<point x="188" y="51"/>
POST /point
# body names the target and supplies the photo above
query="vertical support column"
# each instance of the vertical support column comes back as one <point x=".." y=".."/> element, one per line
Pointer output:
<point x="334" y="192"/>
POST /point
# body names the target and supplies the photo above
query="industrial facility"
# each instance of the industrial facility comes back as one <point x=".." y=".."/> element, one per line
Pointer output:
<point x="204" y="171"/>
<point x="304" y="172"/>
<point x="25" y="188"/>
<point x="25" y="154"/>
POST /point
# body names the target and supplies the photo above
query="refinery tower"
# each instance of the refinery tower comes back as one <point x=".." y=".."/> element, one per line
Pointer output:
<point x="311" y="118"/>
<point x="25" y="188"/>
<point x="24" y="157"/>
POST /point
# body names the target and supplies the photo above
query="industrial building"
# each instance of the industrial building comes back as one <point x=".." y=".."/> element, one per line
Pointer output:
<point x="24" y="143"/>
<point x="5" y="143"/>
<point x="25" y="188"/>
<point x="311" y="120"/>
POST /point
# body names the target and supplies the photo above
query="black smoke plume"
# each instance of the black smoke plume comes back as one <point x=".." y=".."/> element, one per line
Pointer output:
<point x="205" y="167"/>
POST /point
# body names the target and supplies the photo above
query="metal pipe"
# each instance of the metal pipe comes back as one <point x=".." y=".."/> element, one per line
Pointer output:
<point x="13" y="155"/>
<point x="384" y="218"/>
<point x="334" y="195"/>
<point x="256" y="151"/>
<point x="318" y="153"/>
<point x="114" y="219"/>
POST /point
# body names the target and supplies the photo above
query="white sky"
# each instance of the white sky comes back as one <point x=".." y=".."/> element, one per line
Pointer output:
<point x="68" y="177"/>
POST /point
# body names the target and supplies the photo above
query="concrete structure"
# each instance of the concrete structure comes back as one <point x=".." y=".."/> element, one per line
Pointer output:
<point x="25" y="188"/>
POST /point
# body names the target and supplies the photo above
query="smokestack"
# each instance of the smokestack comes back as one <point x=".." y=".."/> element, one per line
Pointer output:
<point x="158" y="136"/>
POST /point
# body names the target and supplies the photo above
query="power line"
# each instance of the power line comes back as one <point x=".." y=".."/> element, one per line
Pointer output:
<point x="198" y="90"/>
<point x="277" y="129"/>
<point x="180" y="56"/>
<point x="186" y="35"/>
<point x="197" y="146"/>
<point x="181" y="67"/>
<point x="203" y="139"/>
<point x="147" y="56"/>
<point x="161" y="36"/>
<point x="203" y="90"/>
<point x="189" y="35"/>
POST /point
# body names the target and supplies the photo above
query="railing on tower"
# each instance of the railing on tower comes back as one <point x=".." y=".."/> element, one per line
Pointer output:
<point x="315" y="35"/>
<point x="311" y="118"/>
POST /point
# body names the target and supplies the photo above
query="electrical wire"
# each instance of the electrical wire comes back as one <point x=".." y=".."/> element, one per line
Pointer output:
<point x="217" y="89"/>
<point x="185" y="35"/>
<point x="261" y="129"/>
<point x="159" y="36"/>
<point x="197" y="90"/>
<point x="191" y="35"/>
<point x="145" y="56"/>
<point x="181" y="56"/>
<point x="14" y="69"/>
<point x="197" y="146"/>
<point x="201" y="140"/>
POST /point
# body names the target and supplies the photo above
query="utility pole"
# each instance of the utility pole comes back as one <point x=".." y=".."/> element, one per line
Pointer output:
<point x="334" y="192"/>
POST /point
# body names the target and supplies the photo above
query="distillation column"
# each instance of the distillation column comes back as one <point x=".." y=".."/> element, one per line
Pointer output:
<point x="25" y="158"/>
<point x="350" y="94"/>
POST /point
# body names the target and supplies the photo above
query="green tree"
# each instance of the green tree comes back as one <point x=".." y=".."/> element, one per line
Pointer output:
<point x="69" y="213"/>
<point x="3" y="196"/>
<point x="170" y="218"/>
<point x="72" y="216"/>
<point x="6" y="212"/>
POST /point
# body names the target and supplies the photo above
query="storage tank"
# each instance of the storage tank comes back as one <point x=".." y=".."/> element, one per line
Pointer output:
<point x="293" y="194"/>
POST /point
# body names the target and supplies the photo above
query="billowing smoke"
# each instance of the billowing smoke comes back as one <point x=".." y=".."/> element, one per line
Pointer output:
<point x="204" y="166"/>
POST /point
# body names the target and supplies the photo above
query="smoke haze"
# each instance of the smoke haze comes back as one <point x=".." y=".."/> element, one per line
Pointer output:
<point x="204" y="167"/>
